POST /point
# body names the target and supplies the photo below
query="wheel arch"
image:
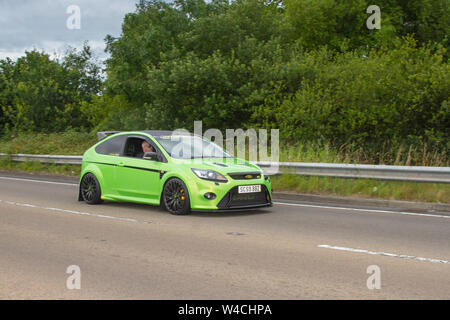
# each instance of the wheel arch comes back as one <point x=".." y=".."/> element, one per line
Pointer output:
<point x="168" y="177"/>
<point x="90" y="168"/>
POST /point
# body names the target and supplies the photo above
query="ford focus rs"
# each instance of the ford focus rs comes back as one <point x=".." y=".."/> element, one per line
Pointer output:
<point x="181" y="173"/>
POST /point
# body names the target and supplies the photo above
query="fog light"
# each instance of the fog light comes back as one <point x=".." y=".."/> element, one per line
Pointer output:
<point x="210" y="196"/>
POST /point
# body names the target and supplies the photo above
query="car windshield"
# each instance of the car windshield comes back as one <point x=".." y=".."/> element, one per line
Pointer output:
<point x="190" y="147"/>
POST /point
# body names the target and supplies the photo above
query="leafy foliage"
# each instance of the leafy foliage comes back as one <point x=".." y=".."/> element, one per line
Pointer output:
<point x="44" y="95"/>
<point x="308" y="67"/>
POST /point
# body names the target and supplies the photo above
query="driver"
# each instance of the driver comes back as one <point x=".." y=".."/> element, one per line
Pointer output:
<point x="146" y="147"/>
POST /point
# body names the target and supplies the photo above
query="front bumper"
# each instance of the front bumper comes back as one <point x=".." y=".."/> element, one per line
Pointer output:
<point x="235" y="200"/>
<point x="243" y="208"/>
<point x="227" y="198"/>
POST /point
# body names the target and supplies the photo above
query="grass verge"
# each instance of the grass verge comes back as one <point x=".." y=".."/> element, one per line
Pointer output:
<point x="364" y="188"/>
<point x="76" y="143"/>
<point x="65" y="143"/>
<point x="38" y="167"/>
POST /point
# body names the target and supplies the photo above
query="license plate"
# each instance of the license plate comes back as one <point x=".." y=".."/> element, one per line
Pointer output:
<point x="249" y="189"/>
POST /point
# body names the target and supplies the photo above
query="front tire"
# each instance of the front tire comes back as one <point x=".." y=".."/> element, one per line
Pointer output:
<point x="176" y="197"/>
<point x="90" y="189"/>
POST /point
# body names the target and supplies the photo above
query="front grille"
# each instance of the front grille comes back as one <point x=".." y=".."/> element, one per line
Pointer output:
<point x="245" y="175"/>
<point x="233" y="199"/>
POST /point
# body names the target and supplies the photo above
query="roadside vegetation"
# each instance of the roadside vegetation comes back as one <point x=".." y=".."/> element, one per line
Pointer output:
<point x="363" y="188"/>
<point x="65" y="143"/>
<point x="40" y="168"/>
<point x="76" y="143"/>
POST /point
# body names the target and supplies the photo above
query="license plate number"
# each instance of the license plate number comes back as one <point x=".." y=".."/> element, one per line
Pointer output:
<point x="249" y="189"/>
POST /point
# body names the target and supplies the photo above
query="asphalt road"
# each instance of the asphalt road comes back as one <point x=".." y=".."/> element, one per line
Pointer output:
<point x="290" y="251"/>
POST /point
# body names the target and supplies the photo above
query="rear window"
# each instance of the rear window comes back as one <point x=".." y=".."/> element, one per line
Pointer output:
<point x="112" y="147"/>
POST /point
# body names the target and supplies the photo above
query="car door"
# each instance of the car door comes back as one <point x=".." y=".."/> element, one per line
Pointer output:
<point x="108" y="156"/>
<point x="138" y="179"/>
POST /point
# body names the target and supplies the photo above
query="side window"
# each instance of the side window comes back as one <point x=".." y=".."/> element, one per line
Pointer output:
<point x="111" y="147"/>
<point x="133" y="148"/>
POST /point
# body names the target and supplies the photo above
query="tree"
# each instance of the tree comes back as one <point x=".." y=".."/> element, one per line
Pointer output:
<point x="40" y="94"/>
<point x="341" y="24"/>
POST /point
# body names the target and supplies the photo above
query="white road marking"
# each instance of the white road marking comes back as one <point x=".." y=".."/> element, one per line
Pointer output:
<point x="276" y="202"/>
<point x="363" y="210"/>
<point x="394" y="255"/>
<point x="76" y="212"/>
<point x="40" y="181"/>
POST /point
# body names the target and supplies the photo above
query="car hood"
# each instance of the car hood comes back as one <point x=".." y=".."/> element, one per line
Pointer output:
<point x="222" y="165"/>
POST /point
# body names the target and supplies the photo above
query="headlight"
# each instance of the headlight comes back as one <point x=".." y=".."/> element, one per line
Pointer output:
<point x="209" y="175"/>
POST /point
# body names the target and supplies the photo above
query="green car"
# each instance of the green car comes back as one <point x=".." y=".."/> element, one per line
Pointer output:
<point x="181" y="173"/>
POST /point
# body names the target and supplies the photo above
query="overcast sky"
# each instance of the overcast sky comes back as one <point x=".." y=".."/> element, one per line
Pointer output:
<point x="42" y="24"/>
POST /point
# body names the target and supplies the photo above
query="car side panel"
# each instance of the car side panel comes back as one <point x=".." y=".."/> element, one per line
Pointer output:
<point x="138" y="179"/>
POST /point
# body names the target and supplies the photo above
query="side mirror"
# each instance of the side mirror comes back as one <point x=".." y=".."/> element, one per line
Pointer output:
<point x="150" y="156"/>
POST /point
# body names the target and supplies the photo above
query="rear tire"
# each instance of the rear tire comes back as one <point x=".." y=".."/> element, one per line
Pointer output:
<point x="175" y="198"/>
<point x="90" y="189"/>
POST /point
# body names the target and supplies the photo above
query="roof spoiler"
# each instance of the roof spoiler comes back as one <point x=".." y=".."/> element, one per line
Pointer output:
<point x="103" y="134"/>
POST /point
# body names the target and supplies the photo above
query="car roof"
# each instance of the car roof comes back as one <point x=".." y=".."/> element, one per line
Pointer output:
<point x="154" y="133"/>
<point x="159" y="133"/>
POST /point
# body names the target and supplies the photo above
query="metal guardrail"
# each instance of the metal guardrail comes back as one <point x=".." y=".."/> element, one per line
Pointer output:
<point x="380" y="172"/>
<point x="44" y="158"/>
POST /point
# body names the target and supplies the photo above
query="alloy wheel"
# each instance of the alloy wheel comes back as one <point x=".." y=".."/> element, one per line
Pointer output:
<point x="176" y="199"/>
